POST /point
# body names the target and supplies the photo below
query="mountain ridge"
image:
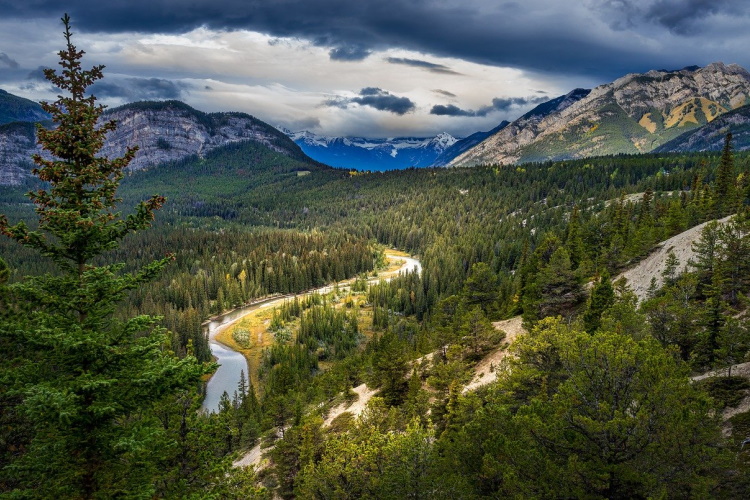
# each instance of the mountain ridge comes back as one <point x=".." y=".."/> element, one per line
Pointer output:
<point x="163" y="131"/>
<point x="636" y="113"/>
<point x="18" y="109"/>
<point x="373" y="154"/>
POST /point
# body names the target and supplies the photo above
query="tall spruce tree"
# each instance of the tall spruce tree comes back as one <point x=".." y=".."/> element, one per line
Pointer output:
<point x="601" y="299"/>
<point x="723" y="195"/>
<point x="80" y="383"/>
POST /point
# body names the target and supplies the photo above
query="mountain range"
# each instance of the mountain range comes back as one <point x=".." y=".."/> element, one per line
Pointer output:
<point x="662" y="111"/>
<point x="634" y="114"/>
<point x="163" y="131"/>
<point x="373" y="154"/>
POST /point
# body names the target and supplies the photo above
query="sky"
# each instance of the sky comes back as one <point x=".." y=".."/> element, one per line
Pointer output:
<point x="369" y="68"/>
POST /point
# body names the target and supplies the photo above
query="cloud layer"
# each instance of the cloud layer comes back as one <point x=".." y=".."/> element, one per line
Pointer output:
<point x="498" y="104"/>
<point x="376" y="98"/>
<point x="423" y="66"/>
<point x="138" y="89"/>
<point x="595" y="37"/>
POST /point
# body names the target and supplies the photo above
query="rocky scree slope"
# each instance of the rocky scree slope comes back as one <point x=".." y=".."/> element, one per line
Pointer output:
<point x="164" y="131"/>
<point x="634" y="114"/>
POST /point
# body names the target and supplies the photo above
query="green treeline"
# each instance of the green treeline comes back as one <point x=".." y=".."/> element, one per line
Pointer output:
<point x="214" y="271"/>
<point x="452" y="218"/>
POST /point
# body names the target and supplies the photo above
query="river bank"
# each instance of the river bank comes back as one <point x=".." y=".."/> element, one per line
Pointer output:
<point x="234" y="359"/>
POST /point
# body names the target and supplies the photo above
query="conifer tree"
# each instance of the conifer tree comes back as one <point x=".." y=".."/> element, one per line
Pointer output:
<point x="724" y="184"/>
<point x="671" y="265"/>
<point x="573" y="240"/>
<point x="82" y="382"/>
<point x="480" y="288"/>
<point x="602" y="298"/>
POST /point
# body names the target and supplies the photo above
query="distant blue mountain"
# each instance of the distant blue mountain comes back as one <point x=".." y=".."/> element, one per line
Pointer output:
<point x="373" y="154"/>
<point x="18" y="109"/>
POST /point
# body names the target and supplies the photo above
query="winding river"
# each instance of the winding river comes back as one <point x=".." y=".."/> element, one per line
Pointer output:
<point x="232" y="363"/>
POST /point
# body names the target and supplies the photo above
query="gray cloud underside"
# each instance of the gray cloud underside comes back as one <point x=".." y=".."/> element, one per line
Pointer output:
<point x="127" y="88"/>
<point x="6" y="59"/>
<point x="376" y="98"/>
<point x="349" y="53"/>
<point x="138" y="89"/>
<point x="498" y="104"/>
<point x="539" y="35"/>
<point x="444" y="92"/>
<point x="682" y="17"/>
<point x="417" y="63"/>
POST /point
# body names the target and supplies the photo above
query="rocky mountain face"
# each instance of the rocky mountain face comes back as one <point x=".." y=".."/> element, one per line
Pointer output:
<point x="163" y="131"/>
<point x="18" y="109"/>
<point x="710" y="137"/>
<point x="634" y="114"/>
<point x="373" y="154"/>
<point x="17" y="144"/>
<point x="465" y="144"/>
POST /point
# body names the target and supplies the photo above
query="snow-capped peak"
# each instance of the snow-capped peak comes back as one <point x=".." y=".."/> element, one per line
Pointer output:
<point x="373" y="154"/>
<point x="443" y="141"/>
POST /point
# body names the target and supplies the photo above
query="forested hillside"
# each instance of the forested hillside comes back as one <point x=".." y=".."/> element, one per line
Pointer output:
<point x="494" y="242"/>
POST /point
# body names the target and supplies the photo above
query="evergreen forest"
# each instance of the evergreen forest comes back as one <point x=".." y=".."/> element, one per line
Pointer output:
<point x="107" y="277"/>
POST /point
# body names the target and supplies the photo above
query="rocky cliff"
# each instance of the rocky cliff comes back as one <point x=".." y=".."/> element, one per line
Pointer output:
<point x="634" y="114"/>
<point x="163" y="131"/>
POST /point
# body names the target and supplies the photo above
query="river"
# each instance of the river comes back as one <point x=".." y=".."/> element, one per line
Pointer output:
<point x="232" y="363"/>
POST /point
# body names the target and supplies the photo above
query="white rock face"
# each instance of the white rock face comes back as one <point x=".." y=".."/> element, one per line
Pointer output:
<point x="627" y="99"/>
<point x="17" y="144"/>
<point x="163" y="132"/>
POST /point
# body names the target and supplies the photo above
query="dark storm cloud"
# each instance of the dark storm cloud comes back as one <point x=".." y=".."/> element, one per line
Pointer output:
<point x="6" y="59"/>
<point x="349" y="53"/>
<point x="372" y="91"/>
<point x="450" y="110"/>
<point x="541" y="35"/>
<point x="33" y="80"/>
<point x="417" y="63"/>
<point x="376" y="98"/>
<point x="498" y="104"/>
<point x="138" y="89"/>
<point x="444" y="92"/>
<point x="37" y="75"/>
<point x="682" y="17"/>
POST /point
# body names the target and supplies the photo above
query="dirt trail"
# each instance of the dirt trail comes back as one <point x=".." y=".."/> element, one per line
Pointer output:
<point x="740" y="370"/>
<point x="486" y="370"/>
<point x="252" y="457"/>
<point x="639" y="277"/>
<point x="406" y="263"/>
<point x="356" y="408"/>
<point x="255" y="458"/>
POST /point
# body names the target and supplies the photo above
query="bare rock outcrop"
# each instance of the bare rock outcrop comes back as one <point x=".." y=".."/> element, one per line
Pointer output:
<point x="163" y="131"/>
<point x="634" y="114"/>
